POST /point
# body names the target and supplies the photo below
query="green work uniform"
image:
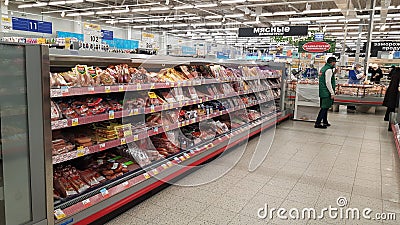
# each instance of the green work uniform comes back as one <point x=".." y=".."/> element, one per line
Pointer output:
<point x="325" y="96"/>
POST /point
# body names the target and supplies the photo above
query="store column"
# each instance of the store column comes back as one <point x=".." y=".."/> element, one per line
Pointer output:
<point x="358" y="48"/>
<point x="369" y="37"/>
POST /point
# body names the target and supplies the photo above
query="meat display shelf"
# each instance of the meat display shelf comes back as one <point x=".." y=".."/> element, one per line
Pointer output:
<point x="64" y="123"/>
<point x="396" y="137"/>
<point x="209" y="150"/>
<point x="74" y="91"/>
<point x="150" y="132"/>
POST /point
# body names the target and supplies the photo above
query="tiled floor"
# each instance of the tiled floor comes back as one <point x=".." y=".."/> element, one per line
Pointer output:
<point x="306" y="167"/>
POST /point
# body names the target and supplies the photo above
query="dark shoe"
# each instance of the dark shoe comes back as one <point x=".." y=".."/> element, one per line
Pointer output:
<point x="327" y="124"/>
<point x="386" y="119"/>
<point x="320" y="126"/>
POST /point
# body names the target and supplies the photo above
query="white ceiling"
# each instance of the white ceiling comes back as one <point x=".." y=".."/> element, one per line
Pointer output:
<point x="219" y="20"/>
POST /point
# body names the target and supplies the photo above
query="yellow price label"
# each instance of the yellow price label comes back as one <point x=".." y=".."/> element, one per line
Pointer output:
<point x="111" y="115"/>
<point x="138" y="86"/>
<point x="107" y="89"/>
<point x="75" y="122"/>
<point x="135" y="137"/>
<point x="164" y="166"/>
<point x="121" y="88"/>
<point x="152" y="86"/>
<point x="155" y="171"/>
<point x="59" y="214"/>
<point x="123" y="141"/>
<point x="146" y="176"/>
<point x="127" y="133"/>
<point x="152" y="94"/>
<point x="135" y="111"/>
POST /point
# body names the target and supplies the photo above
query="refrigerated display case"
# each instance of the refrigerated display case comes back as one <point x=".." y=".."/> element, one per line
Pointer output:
<point x="25" y="173"/>
<point x="106" y="138"/>
<point x="360" y="94"/>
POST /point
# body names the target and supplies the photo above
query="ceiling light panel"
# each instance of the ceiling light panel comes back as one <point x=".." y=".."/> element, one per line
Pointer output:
<point x="184" y="7"/>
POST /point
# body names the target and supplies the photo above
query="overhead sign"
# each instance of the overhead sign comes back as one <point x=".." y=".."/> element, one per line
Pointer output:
<point x="92" y="33"/>
<point x="23" y="24"/>
<point x="107" y="34"/>
<point x="6" y="24"/>
<point x="222" y="55"/>
<point x="317" y="46"/>
<point x="188" y="50"/>
<point x="274" y="31"/>
<point x="62" y="34"/>
<point x="319" y="36"/>
<point x="385" y="46"/>
<point x="147" y="35"/>
<point x="122" y="43"/>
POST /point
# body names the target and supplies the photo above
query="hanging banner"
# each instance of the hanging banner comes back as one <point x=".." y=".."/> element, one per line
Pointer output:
<point x="222" y="55"/>
<point x="188" y="50"/>
<point x="274" y="31"/>
<point x="122" y="44"/>
<point x="317" y="46"/>
<point x="92" y="33"/>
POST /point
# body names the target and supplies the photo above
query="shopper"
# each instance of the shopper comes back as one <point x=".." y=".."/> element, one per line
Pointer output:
<point x="356" y="75"/>
<point x="391" y="71"/>
<point x="376" y="73"/>
<point x="327" y="85"/>
<point x="391" y="97"/>
<point x="311" y="72"/>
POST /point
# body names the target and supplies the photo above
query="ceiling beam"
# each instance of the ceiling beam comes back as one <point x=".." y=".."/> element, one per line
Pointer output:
<point x="347" y="8"/>
<point x="384" y="9"/>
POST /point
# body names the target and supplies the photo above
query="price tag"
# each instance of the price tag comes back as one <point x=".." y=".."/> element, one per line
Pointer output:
<point x="104" y="193"/>
<point x="191" y="152"/>
<point x="178" y="84"/>
<point x="111" y="115"/>
<point x="127" y="133"/>
<point x="81" y="152"/>
<point x="152" y="108"/>
<point x="164" y="166"/>
<point x="171" y="106"/>
<point x="152" y="86"/>
<point x="186" y="155"/>
<point x="64" y="91"/>
<point x="176" y="159"/>
<point x="75" y="122"/>
<point x="130" y="112"/>
<point x="193" y="120"/>
<point x="135" y="111"/>
<point x="123" y="141"/>
<point x="155" y="129"/>
<point x="220" y="113"/>
<point x="169" y="164"/>
<point x="135" y="137"/>
<point x="172" y="85"/>
<point x="182" y="158"/>
<point x="121" y="88"/>
<point x="180" y="104"/>
<point x="90" y="89"/>
<point x="166" y="128"/>
<point x="152" y="94"/>
<point x="125" y="184"/>
<point x="107" y="89"/>
<point x="155" y="171"/>
<point x="102" y="146"/>
<point x="86" y="203"/>
<point x="146" y="176"/>
<point x="59" y="214"/>
<point x="138" y="86"/>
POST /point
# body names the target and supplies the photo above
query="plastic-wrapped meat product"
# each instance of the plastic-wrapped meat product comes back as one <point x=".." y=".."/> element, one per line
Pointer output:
<point x="114" y="105"/>
<point x="64" y="187"/>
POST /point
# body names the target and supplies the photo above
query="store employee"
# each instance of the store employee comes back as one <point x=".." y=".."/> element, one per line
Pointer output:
<point x="356" y="75"/>
<point x="327" y="85"/>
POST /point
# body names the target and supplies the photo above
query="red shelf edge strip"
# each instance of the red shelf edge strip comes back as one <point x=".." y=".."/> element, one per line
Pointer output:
<point x="158" y="183"/>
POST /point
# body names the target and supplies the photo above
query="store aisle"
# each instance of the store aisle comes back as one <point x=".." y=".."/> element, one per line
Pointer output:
<point x="306" y="167"/>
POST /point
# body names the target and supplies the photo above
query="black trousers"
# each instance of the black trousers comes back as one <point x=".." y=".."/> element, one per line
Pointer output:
<point x="322" y="116"/>
<point x="388" y="111"/>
